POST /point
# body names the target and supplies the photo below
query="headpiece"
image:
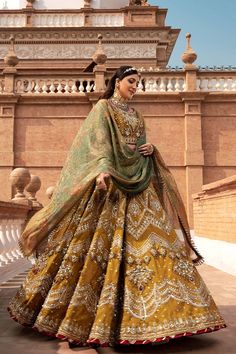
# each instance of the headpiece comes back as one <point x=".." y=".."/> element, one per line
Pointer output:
<point x="130" y="69"/>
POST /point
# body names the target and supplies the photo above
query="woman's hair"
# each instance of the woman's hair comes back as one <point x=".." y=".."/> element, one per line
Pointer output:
<point x="120" y="73"/>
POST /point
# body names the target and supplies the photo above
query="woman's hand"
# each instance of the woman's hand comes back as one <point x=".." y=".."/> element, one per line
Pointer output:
<point x="146" y="149"/>
<point x="101" y="181"/>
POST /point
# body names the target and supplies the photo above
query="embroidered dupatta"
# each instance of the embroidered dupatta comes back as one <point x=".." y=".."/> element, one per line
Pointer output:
<point x="99" y="147"/>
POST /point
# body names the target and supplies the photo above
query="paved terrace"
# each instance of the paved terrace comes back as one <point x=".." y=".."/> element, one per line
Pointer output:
<point x="15" y="339"/>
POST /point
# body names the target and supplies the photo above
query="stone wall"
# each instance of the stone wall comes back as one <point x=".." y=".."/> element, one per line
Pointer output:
<point x="215" y="210"/>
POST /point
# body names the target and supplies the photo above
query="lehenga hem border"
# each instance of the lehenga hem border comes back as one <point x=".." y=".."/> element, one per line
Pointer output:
<point x="157" y="340"/>
<point x="98" y="342"/>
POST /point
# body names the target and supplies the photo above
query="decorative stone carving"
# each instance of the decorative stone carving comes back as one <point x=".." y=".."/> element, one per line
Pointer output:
<point x="30" y="3"/>
<point x="32" y="188"/>
<point x="189" y="56"/>
<point x="20" y="178"/>
<point x="138" y="2"/>
<point x="84" y="51"/>
<point x="87" y="3"/>
<point x="11" y="58"/>
<point x="110" y="34"/>
<point x="99" y="56"/>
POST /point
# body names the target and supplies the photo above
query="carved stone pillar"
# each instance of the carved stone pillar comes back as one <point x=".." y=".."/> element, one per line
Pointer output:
<point x="194" y="154"/>
<point x="189" y="57"/>
<point x="11" y="60"/>
<point x="99" y="58"/>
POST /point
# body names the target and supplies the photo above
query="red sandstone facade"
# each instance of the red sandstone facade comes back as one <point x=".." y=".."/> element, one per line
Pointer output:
<point x="190" y="114"/>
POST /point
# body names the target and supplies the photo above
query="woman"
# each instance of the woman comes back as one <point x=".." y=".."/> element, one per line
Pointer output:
<point x="110" y="267"/>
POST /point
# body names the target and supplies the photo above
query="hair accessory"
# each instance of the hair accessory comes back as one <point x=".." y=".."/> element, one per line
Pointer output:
<point x="130" y="69"/>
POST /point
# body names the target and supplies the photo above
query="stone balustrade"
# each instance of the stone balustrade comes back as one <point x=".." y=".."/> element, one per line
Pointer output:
<point x="155" y="81"/>
<point x="161" y="83"/>
<point x="58" y="20"/>
<point x="62" y="19"/>
<point x="12" y="220"/>
<point x="15" y="214"/>
<point x="53" y="86"/>
<point x="221" y="83"/>
<point x="107" y="19"/>
<point x="12" y="20"/>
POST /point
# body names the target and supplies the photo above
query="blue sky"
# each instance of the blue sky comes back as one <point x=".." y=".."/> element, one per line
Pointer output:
<point x="212" y="24"/>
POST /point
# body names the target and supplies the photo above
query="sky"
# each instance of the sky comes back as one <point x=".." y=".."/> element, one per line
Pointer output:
<point x="212" y="24"/>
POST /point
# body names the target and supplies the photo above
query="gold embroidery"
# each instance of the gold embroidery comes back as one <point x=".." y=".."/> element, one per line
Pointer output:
<point x="119" y="273"/>
<point x="130" y="124"/>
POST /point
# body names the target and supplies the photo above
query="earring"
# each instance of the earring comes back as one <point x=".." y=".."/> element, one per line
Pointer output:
<point x="116" y="90"/>
<point x="116" y="93"/>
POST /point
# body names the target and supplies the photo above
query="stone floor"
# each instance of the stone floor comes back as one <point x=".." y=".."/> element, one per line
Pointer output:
<point x="15" y="339"/>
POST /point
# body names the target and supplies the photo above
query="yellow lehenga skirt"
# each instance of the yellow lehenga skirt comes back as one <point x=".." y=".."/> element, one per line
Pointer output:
<point x="114" y="271"/>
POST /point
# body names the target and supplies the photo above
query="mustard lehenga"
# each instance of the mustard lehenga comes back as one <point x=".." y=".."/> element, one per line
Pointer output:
<point x="112" y="269"/>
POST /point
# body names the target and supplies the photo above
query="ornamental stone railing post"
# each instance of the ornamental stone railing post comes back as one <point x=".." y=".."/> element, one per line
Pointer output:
<point x="20" y="178"/>
<point x="32" y="188"/>
<point x="99" y="58"/>
<point x="29" y="13"/>
<point x="11" y="60"/>
<point x="189" y="57"/>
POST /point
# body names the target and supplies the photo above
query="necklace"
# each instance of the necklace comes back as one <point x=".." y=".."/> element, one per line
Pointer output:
<point x="120" y="104"/>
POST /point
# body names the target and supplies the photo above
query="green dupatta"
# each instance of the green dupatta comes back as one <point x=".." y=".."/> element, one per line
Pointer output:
<point x="99" y="147"/>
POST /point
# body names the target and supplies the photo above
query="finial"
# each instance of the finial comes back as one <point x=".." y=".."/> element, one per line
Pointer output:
<point x="32" y="188"/>
<point x="20" y="178"/>
<point x="138" y="3"/>
<point x="30" y="4"/>
<point x="87" y="3"/>
<point x="189" y="56"/>
<point x="99" y="56"/>
<point x="11" y="58"/>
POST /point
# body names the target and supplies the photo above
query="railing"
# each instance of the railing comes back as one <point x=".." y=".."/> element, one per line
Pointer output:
<point x="152" y="81"/>
<point x="222" y="83"/>
<point x="12" y="219"/>
<point x="12" y="20"/>
<point x="108" y="20"/>
<point x="157" y="83"/>
<point x="149" y="83"/>
<point x="58" y="20"/>
<point x="54" y="85"/>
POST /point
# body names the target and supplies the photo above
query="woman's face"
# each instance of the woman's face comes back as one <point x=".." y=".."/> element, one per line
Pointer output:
<point x="128" y="86"/>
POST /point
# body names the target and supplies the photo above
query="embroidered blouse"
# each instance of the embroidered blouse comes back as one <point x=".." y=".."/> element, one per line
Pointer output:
<point x="129" y="122"/>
